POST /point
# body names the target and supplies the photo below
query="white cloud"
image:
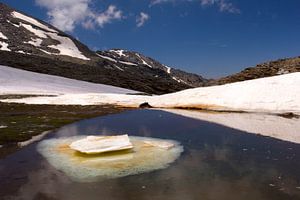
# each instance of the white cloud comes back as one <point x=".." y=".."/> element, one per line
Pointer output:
<point x="141" y="19"/>
<point x="67" y="14"/>
<point x="110" y="14"/>
<point x="223" y="5"/>
<point x="154" y="2"/>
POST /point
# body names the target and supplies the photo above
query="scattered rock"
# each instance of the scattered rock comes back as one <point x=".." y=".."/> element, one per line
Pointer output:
<point x="145" y="105"/>
<point x="289" y="115"/>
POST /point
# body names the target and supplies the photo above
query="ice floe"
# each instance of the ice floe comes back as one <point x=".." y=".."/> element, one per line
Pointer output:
<point x="101" y="144"/>
<point x="88" y="168"/>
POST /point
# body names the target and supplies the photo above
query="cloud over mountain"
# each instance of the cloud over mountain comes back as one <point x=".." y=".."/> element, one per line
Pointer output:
<point x="66" y="14"/>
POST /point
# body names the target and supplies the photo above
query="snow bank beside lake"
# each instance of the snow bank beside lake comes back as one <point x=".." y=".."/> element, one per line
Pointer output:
<point x="85" y="99"/>
<point x="16" y="81"/>
<point x="278" y="94"/>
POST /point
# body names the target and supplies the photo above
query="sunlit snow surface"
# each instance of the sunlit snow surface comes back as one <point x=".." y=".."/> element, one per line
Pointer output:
<point x="278" y="94"/>
<point x="17" y="81"/>
<point x="65" y="47"/>
<point x="88" y="168"/>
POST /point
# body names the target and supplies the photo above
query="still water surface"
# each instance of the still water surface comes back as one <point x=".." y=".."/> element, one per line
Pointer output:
<point x="217" y="163"/>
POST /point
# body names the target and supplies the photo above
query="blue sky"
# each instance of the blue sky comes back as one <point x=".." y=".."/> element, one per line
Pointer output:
<point x="209" y="37"/>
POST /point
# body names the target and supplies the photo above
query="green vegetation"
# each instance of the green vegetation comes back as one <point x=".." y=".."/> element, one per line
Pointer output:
<point x="19" y="122"/>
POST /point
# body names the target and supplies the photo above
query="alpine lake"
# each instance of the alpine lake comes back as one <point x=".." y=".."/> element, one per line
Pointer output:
<point x="213" y="161"/>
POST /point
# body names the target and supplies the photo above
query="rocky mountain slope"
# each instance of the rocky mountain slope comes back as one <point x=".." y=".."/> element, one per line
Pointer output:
<point x="272" y="68"/>
<point x="137" y="59"/>
<point x="30" y="44"/>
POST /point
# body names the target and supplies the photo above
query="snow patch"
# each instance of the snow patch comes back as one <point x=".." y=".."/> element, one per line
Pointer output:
<point x="107" y="58"/>
<point x="277" y="94"/>
<point x="32" y="21"/>
<point x="42" y="50"/>
<point x="2" y="36"/>
<point x="128" y="63"/>
<point x="16" y="25"/>
<point x="282" y="71"/>
<point x="35" y="42"/>
<point x="4" y="46"/>
<point x="85" y="99"/>
<point x="22" y="52"/>
<point x="16" y="81"/>
<point x="174" y="78"/>
<point x="39" y="33"/>
<point x="3" y="127"/>
<point x="143" y="61"/>
<point x="66" y="46"/>
<point x="119" y="52"/>
<point x="119" y="68"/>
<point x="168" y="69"/>
<point x="179" y="80"/>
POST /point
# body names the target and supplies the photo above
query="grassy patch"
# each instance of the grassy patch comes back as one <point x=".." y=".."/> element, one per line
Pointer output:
<point x="19" y="122"/>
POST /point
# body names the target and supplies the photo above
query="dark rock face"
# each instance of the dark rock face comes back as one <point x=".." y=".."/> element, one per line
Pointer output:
<point x="273" y="68"/>
<point x="36" y="46"/>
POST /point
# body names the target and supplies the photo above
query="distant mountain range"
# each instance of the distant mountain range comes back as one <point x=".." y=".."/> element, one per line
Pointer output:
<point x="31" y="44"/>
<point x="34" y="45"/>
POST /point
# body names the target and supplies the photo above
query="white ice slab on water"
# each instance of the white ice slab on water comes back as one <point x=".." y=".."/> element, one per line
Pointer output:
<point x="16" y="81"/>
<point x="101" y="144"/>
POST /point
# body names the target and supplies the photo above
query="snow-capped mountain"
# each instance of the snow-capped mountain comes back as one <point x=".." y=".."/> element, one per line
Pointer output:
<point x="31" y="44"/>
<point x="137" y="59"/>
